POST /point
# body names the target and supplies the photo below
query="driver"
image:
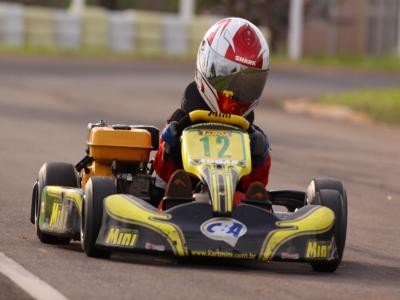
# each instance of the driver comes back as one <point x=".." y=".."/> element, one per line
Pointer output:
<point x="231" y="71"/>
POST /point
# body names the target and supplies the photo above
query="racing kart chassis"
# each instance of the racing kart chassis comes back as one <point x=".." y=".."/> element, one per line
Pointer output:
<point x="311" y="229"/>
<point x="193" y="230"/>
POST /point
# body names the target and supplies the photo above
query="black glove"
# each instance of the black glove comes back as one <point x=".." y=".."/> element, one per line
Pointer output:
<point x="259" y="145"/>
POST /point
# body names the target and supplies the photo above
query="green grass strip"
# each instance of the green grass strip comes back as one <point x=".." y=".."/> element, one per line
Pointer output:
<point x="381" y="104"/>
<point x="368" y="63"/>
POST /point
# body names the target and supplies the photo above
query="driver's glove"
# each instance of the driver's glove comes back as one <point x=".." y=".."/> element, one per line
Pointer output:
<point x="259" y="146"/>
<point x="170" y="136"/>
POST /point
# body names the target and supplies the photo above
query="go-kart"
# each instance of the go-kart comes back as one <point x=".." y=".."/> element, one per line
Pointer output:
<point x="105" y="200"/>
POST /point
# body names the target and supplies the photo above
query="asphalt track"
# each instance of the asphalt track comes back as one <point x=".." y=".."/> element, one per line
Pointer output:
<point x="45" y="105"/>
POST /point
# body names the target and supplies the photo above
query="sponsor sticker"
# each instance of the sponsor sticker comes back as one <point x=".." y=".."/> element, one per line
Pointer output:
<point x="214" y="133"/>
<point x="223" y="254"/>
<point x="218" y="161"/>
<point x="224" y="229"/>
<point x="245" y="60"/>
<point x="219" y="115"/>
<point x="121" y="237"/>
<point x="289" y="255"/>
<point x="150" y="246"/>
<point x="321" y="249"/>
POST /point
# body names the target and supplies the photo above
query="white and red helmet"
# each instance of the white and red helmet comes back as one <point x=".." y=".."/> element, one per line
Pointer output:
<point x="232" y="66"/>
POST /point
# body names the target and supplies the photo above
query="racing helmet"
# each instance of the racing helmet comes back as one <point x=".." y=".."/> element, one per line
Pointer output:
<point x="232" y="66"/>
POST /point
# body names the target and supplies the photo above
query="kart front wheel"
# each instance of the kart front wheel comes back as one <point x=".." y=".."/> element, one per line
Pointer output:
<point x="330" y="193"/>
<point x="53" y="173"/>
<point x="96" y="189"/>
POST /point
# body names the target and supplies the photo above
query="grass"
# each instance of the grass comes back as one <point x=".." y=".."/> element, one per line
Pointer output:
<point x="382" y="105"/>
<point x="367" y="63"/>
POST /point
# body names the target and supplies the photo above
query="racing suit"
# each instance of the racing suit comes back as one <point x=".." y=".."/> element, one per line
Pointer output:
<point x="166" y="165"/>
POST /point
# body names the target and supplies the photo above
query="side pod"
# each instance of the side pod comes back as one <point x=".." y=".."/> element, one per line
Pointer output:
<point x="60" y="210"/>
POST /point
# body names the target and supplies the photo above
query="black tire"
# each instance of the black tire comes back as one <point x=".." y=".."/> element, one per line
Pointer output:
<point x="330" y="184"/>
<point x="330" y="193"/>
<point x="34" y="202"/>
<point x="53" y="173"/>
<point x="96" y="189"/>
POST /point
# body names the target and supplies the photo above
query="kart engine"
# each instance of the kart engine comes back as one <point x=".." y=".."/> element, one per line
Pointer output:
<point x="121" y="152"/>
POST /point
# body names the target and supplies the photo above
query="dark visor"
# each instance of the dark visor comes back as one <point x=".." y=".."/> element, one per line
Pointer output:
<point x="243" y="84"/>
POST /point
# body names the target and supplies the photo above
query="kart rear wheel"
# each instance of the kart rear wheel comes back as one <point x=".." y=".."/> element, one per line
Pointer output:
<point x="330" y="193"/>
<point x="53" y="173"/>
<point x="96" y="189"/>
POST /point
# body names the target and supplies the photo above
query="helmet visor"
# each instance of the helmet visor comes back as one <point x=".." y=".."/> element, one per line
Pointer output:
<point x="236" y="81"/>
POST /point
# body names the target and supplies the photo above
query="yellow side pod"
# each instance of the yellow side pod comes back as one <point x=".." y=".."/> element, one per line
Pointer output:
<point x="119" y="207"/>
<point x="316" y="221"/>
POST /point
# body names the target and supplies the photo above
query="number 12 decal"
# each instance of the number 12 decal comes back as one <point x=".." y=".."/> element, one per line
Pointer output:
<point x="220" y="140"/>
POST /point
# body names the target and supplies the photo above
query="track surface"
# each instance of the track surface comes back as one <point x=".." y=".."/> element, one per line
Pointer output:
<point x="44" y="108"/>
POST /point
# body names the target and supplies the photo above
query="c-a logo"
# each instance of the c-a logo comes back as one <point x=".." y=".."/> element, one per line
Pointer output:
<point x="224" y="229"/>
<point x="121" y="237"/>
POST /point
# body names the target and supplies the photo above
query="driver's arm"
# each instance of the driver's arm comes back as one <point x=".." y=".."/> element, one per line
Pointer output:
<point x="168" y="157"/>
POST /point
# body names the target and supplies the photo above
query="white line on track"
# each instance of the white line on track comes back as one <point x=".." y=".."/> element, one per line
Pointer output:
<point x="34" y="286"/>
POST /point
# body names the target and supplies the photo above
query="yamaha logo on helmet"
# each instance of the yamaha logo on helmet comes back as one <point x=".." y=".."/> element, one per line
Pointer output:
<point x="224" y="229"/>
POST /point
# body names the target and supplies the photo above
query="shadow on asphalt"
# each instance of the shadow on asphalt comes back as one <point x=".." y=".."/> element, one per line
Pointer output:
<point x="371" y="274"/>
<point x="206" y="263"/>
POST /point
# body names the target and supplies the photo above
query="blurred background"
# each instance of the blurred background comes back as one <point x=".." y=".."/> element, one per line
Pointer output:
<point x="323" y="27"/>
<point x="320" y="34"/>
